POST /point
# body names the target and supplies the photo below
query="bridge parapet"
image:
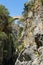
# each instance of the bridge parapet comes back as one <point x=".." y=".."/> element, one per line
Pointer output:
<point x="17" y="17"/>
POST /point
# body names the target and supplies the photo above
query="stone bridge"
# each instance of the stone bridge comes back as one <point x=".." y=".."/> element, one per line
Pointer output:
<point x="17" y="17"/>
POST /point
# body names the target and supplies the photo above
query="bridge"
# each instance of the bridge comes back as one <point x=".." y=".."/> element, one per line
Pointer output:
<point x="17" y="17"/>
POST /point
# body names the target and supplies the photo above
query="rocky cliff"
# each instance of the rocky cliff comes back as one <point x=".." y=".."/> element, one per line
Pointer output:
<point x="32" y="36"/>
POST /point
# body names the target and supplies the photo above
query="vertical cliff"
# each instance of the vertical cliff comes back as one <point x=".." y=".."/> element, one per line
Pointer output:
<point x="32" y="34"/>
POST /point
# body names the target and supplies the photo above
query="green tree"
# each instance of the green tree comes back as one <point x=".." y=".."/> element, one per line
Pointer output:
<point x="6" y="31"/>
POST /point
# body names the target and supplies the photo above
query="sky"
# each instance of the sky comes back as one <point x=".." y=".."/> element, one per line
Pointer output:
<point x="15" y="7"/>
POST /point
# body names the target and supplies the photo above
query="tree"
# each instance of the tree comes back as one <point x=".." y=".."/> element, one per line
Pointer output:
<point x="3" y="10"/>
<point x="6" y="31"/>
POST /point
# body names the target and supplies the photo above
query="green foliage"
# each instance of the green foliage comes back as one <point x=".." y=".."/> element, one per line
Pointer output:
<point x="5" y="19"/>
<point x="20" y="48"/>
<point x="5" y="32"/>
<point x="42" y="2"/>
<point x="27" y="8"/>
<point x="20" y="31"/>
<point x="4" y="10"/>
<point x="3" y="35"/>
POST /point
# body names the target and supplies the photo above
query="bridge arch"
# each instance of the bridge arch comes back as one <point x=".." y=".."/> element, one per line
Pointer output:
<point x="16" y="17"/>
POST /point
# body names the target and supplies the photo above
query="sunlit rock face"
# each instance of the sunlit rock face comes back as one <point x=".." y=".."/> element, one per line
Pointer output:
<point x="33" y="37"/>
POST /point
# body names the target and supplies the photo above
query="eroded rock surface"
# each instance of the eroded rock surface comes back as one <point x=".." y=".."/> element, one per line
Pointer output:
<point x="33" y="37"/>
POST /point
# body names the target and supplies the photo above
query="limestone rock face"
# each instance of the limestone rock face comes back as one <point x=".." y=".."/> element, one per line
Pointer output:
<point x="33" y="37"/>
<point x="33" y="53"/>
<point x="31" y="56"/>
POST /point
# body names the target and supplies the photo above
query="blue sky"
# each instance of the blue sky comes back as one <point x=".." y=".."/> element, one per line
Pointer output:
<point x="15" y="7"/>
